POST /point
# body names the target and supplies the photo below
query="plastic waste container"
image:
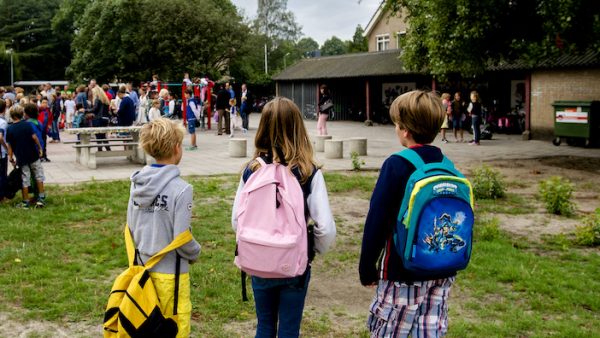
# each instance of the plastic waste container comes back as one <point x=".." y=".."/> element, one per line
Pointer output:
<point x="578" y="122"/>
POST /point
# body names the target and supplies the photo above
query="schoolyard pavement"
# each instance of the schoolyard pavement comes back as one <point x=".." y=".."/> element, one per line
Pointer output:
<point x="212" y="156"/>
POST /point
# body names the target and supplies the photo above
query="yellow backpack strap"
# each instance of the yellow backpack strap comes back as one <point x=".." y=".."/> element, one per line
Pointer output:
<point x="129" y="245"/>
<point x="180" y="240"/>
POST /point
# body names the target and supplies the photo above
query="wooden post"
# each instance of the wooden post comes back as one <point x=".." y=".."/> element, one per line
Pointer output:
<point x="183" y="101"/>
<point x="368" y="100"/>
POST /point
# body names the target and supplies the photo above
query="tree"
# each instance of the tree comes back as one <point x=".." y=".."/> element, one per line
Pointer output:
<point x="276" y="22"/>
<point x="333" y="46"/>
<point x="465" y="37"/>
<point x="25" y="27"/>
<point x="306" y="46"/>
<point x="130" y="40"/>
<point x="359" y="42"/>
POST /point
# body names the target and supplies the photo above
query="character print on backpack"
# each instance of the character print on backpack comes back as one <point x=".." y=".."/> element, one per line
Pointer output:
<point x="434" y="229"/>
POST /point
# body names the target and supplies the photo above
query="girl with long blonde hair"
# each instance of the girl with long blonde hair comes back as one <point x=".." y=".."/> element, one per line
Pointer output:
<point x="282" y="138"/>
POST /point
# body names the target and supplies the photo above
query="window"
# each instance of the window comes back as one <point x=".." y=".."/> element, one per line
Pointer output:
<point x="399" y="37"/>
<point x="383" y="42"/>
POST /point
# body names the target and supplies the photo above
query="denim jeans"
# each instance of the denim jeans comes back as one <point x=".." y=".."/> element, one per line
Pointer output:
<point x="279" y="300"/>
<point x="54" y="131"/>
<point x="476" y="122"/>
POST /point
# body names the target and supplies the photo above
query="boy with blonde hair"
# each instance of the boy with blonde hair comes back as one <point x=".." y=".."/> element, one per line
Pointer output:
<point x="160" y="208"/>
<point x="404" y="303"/>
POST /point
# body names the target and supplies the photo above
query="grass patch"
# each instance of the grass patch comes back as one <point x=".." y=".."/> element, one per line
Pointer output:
<point x="511" y="204"/>
<point x="58" y="264"/>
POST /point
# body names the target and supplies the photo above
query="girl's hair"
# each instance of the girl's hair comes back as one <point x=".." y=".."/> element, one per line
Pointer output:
<point x="281" y="132"/>
<point x="446" y="96"/>
<point x="80" y="88"/>
<point x="232" y="102"/>
<point x="159" y="137"/>
<point x="476" y="94"/>
<point x="419" y="112"/>
<point x="155" y="102"/>
<point x="99" y="94"/>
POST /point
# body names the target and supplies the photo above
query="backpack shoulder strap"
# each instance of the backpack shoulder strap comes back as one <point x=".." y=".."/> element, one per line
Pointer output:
<point x="180" y="240"/>
<point x="412" y="157"/>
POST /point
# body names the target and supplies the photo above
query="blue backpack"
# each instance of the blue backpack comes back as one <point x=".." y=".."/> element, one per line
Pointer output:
<point x="435" y="222"/>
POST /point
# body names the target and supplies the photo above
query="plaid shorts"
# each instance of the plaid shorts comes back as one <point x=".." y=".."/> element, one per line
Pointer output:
<point x="420" y="309"/>
<point x="35" y="168"/>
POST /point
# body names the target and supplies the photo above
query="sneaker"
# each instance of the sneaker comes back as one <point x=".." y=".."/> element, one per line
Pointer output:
<point x="22" y="205"/>
<point x="444" y="141"/>
<point x="40" y="203"/>
<point x="244" y="130"/>
<point x="473" y="143"/>
<point x="231" y="135"/>
<point x="192" y="148"/>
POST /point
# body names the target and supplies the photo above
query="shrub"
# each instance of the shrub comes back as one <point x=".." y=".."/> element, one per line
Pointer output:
<point x="556" y="193"/>
<point x="488" y="183"/>
<point x="357" y="163"/>
<point x="589" y="233"/>
<point x="487" y="230"/>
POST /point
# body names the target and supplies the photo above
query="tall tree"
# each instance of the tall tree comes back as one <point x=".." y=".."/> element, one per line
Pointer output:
<point x="276" y="22"/>
<point x="129" y="40"/>
<point x="464" y="37"/>
<point x="359" y="42"/>
<point x="25" y="27"/>
<point x="333" y="46"/>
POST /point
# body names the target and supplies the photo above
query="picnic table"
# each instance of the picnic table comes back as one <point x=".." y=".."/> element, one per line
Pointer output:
<point x="83" y="148"/>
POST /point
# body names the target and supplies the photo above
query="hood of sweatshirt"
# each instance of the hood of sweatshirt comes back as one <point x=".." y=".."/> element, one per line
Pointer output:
<point x="150" y="181"/>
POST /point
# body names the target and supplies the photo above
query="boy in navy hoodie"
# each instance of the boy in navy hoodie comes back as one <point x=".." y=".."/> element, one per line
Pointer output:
<point x="403" y="303"/>
<point x="160" y="208"/>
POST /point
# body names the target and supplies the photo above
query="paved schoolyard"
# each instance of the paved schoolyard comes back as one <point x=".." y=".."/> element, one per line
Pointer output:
<point x="212" y="156"/>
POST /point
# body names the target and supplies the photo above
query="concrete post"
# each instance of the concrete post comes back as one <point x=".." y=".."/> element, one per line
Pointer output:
<point x="334" y="149"/>
<point x="320" y="142"/>
<point x="237" y="147"/>
<point x="358" y="144"/>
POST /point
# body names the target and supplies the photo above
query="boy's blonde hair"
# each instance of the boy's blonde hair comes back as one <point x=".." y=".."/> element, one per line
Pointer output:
<point x="155" y="102"/>
<point x="419" y="112"/>
<point x="159" y="137"/>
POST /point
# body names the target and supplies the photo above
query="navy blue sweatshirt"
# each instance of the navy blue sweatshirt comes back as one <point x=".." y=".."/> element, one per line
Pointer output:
<point x="378" y="257"/>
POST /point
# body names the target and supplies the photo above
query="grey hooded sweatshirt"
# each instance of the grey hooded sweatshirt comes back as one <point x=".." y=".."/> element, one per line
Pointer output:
<point x="160" y="208"/>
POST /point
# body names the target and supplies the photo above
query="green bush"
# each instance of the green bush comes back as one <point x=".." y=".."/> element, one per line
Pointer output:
<point x="589" y="233"/>
<point x="488" y="183"/>
<point x="556" y="193"/>
<point x="487" y="230"/>
<point x="357" y="163"/>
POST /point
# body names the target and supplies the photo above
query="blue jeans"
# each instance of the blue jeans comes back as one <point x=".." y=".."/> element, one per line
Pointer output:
<point x="279" y="300"/>
<point x="476" y="123"/>
<point x="54" y="131"/>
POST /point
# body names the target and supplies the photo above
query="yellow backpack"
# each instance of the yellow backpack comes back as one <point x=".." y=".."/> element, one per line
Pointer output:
<point x="133" y="308"/>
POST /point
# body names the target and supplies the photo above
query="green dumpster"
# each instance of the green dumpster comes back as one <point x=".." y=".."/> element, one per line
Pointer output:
<point x="578" y="122"/>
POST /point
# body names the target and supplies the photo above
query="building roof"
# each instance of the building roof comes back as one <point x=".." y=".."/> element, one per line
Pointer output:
<point x="374" y="19"/>
<point x="345" y="66"/>
<point x="587" y="59"/>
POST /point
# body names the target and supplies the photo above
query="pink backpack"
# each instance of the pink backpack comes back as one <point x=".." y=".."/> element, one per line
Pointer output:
<point x="271" y="230"/>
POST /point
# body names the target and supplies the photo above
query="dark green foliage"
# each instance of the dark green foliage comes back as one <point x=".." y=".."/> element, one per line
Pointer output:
<point x="556" y="194"/>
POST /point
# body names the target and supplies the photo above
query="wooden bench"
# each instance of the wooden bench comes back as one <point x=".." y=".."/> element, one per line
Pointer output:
<point x="122" y="139"/>
<point x="85" y="156"/>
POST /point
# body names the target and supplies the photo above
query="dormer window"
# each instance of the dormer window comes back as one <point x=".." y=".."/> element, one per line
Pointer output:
<point x="383" y="42"/>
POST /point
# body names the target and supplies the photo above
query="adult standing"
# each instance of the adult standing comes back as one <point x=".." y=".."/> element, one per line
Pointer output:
<point x="142" y="111"/>
<point x="126" y="113"/>
<point x="81" y="97"/>
<point x="56" y="112"/>
<point x="458" y="116"/>
<point x="99" y="114"/>
<point x="324" y="107"/>
<point x="223" y="97"/>
<point x="475" y="111"/>
<point x="246" y="99"/>
<point x="133" y="95"/>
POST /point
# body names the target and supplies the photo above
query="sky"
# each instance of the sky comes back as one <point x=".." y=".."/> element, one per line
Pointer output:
<point x="322" y="19"/>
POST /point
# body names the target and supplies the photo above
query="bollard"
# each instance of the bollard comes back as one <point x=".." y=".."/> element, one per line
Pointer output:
<point x="237" y="147"/>
<point x="334" y="148"/>
<point x="320" y="142"/>
<point x="358" y="145"/>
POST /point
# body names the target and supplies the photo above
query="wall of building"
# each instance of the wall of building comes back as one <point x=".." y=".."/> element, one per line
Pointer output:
<point x="556" y="85"/>
<point x="386" y="25"/>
